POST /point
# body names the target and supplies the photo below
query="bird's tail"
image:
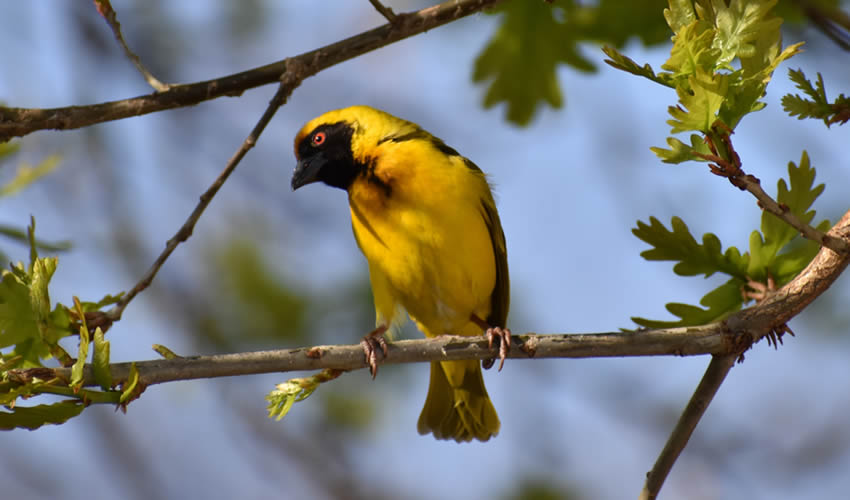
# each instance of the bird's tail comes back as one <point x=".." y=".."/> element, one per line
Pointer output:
<point x="457" y="406"/>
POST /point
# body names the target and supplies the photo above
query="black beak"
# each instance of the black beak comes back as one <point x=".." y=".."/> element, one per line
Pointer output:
<point x="307" y="171"/>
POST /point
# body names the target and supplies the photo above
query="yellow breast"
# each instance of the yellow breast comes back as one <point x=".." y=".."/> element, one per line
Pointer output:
<point x="425" y="231"/>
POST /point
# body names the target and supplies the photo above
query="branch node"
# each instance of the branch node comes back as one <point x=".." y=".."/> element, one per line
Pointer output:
<point x="530" y="346"/>
<point x="385" y="11"/>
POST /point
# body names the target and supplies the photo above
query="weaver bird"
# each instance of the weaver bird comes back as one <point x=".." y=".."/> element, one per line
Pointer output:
<point x="424" y="217"/>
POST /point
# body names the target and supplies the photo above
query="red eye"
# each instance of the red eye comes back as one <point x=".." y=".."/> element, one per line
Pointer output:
<point x="318" y="138"/>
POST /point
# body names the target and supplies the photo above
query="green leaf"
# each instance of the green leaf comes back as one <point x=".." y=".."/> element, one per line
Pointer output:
<point x="799" y="198"/>
<point x="701" y="100"/>
<point x="26" y="320"/>
<point x="692" y="258"/>
<point x="128" y="388"/>
<point x="8" y="148"/>
<point x="82" y="355"/>
<point x="100" y="360"/>
<point x="17" y="319"/>
<point x="776" y="235"/>
<point x="21" y="236"/>
<point x="723" y="56"/>
<point x="294" y="390"/>
<point x="288" y="393"/>
<point x="680" y="152"/>
<point x="692" y="49"/>
<point x="818" y="106"/>
<point x="42" y="271"/>
<point x="33" y="417"/>
<point x="521" y="60"/>
<point x="165" y="352"/>
<point x="741" y="25"/>
<point x="796" y="256"/>
<point x="777" y="251"/>
<point x="620" y="61"/>
<point x="26" y="175"/>
<point x="679" y="14"/>
<point x="718" y="304"/>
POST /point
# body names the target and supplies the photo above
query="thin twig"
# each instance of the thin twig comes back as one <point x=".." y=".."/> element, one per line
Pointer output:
<point x="833" y="22"/>
<point x="284" y="91"/>
<point x="105" y="9"/>
<point x="752" y="185"/>
<point x="17" y="122"/>
<point x="726" y="163"/>
<point x="704" y="393"/>
<point x="384" y="11"/>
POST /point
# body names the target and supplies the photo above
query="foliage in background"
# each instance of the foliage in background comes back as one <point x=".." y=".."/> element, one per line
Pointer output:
<point x="536" y="38"/>
<point x="33" y="330"/>
<point x="722" y="58"/>
<point x="23" y="176"/>
<point x="818" y="105"/>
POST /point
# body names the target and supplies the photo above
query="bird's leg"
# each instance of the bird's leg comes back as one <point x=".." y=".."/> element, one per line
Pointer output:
<point x="492" y="333"/>
<point x="373" y="341"/>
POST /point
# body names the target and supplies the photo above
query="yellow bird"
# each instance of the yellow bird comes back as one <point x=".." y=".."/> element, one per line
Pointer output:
<point x="424" y="217"/>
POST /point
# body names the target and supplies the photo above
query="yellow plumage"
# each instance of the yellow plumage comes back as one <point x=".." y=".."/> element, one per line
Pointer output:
<point x="425" y="219"/>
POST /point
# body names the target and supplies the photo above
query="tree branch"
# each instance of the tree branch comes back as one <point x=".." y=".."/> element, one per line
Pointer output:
<point x="675" y="341"/>
<point x="767" y="317"/>
<point x="752" y="185"/>
<point x="731" y="336"/>
<point x="714" y="376"/>
<point x="18" y="122"/>
<point x="788" y="301"/>
<point x="727" y="163"/>
<point x="385" y="11"/>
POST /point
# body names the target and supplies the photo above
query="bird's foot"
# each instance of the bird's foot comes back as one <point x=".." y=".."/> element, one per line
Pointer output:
<point x="504" y="337"/>
<point x="371" y="343"/>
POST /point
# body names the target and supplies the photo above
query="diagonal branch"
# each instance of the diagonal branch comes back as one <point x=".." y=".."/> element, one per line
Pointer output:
<point x="18" y="122"/>
<point x="752" y="185"/>
<point x="726" y="163"/>
<point x="714" y="376"/>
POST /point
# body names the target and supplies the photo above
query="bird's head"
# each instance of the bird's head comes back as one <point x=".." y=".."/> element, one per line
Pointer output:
<point x="336" y="147"/>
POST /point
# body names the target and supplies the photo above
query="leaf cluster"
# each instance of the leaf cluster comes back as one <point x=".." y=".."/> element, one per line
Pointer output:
<point x="723" y="56"/>
<point x="23" y="177"/>
<point x="30" y="331"/>
<point x="776" y="252"/>
<point x="294" y="390"/>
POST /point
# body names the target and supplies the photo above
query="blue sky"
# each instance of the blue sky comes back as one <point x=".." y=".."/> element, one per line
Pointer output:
<point x="569" y="188"/>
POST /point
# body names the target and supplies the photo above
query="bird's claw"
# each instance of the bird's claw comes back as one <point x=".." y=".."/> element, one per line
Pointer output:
<point x="504" y="336"/>
<point x="371" y="343"/>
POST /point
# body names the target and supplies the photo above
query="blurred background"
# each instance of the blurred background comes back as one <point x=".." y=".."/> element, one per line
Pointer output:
<point x="267" y="268"/>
